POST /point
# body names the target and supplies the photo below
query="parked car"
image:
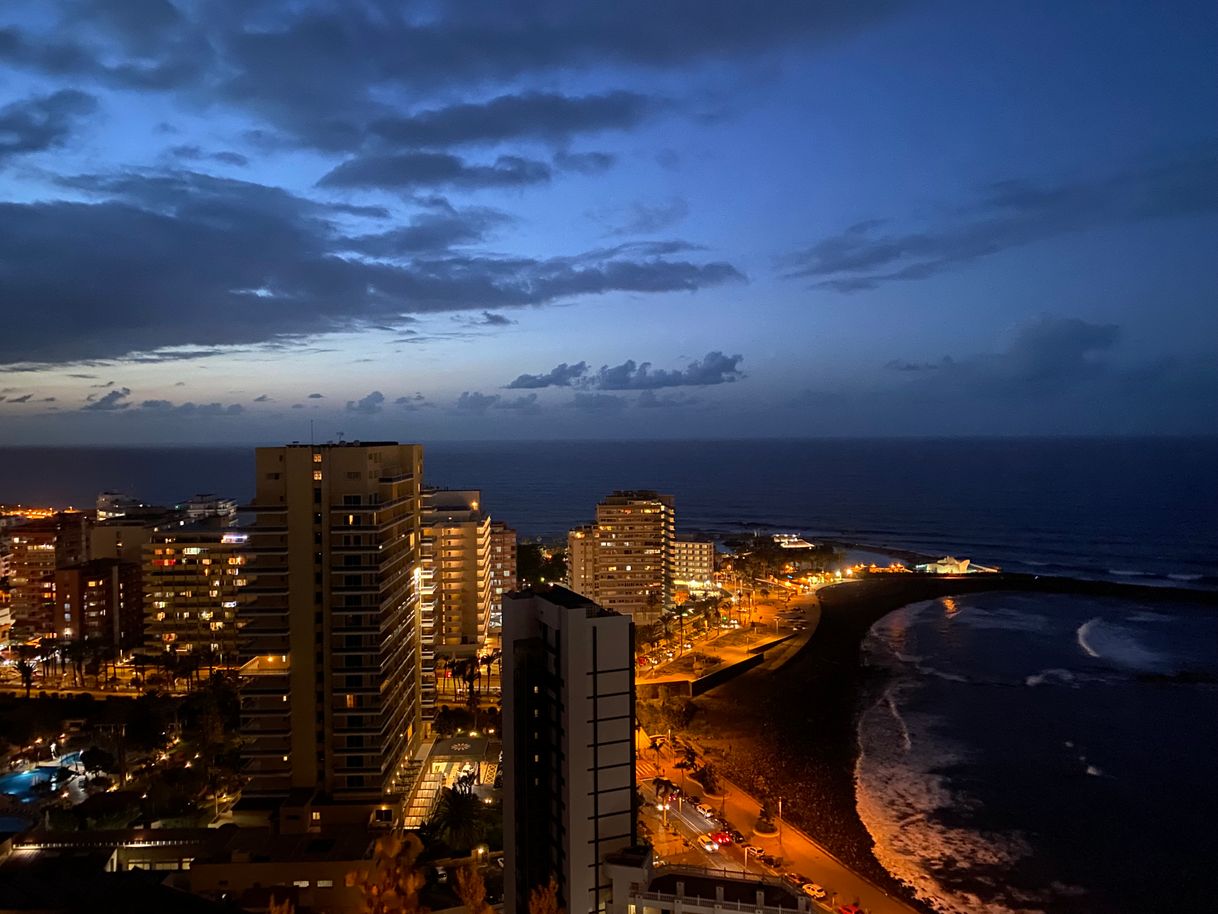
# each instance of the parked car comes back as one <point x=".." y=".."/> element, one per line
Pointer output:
<point x="796" y="879"/>
<point x="849" y="909"/>
<point x="812" y="890"/>
<point x="721" y="838"/>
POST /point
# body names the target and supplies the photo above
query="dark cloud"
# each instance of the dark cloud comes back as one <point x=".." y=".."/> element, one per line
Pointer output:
<point x="412" y="403"/>
<point x="715" y="368"/>
<point x="115" y="399"/>
<point x="649" y="399"/>
<point x="525" y="403"/>
<point x="644" y="219"/>
<point x="42" y="121"/>
<point x="195" y="153"/>
<point x="527" y="115"/>
<point x="160" y="270"/>
<point x="1043" y="356"/>
<point x="369" y="405"/>
<point x="192" y="409"/>
<point x="560" y="376"/>
<point x="321" y="73"/>
<point x="1010" y="214"/>
<point x="263" y="398"/>
<point x="83" y="377"/>
<point x="24" y="398"/>
<point x="474" y="402"/>
<point x="297" y="406"/>
<point x="413" y="170"/>
<point x="432" y="233"/>
<point x="491" y="319"/>
<point x="585" y="163"/>
<point x="592" y="402"/>
<point x="317" y="396"/>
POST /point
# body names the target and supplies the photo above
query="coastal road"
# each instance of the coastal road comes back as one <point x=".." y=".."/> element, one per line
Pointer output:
<point x="799" y="853"/>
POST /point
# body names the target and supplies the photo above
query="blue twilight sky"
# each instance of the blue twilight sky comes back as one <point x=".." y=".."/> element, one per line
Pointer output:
<point x="223" y="220"/>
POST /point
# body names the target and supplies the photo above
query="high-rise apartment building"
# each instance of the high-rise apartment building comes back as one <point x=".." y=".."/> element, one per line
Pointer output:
<point x="330" y="633"/>
<point x="625" y="560"/>
<point x="568" y="746"/>
<point x="39" y="547"/>
<point x="503" y="569"/>
<point x="693" y="562"/>
<point x="193" y="576"/>
<point x="455" y="587"/>
<point x="100" y="600"/>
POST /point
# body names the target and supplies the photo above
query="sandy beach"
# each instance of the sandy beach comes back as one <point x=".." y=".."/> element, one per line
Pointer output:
<point x="790" y="730"/>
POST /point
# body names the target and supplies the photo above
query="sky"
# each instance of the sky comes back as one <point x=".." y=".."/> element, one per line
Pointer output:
<point x="233" y="221"/>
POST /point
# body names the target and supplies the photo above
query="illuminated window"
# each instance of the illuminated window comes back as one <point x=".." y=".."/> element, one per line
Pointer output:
<point x="351" y="701"/>
<point x="317" y="458"/>
<point x="317" y="475"/>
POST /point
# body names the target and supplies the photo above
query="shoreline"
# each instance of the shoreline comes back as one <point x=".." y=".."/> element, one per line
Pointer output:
<point x="791" y="729"/>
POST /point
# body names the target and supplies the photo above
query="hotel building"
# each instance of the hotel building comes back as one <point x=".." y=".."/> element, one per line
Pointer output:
<point x="624" y="561"/>
<point x="330" y="638"/>
<point x="503" y="569"/>
<point x="693" y="562"/>
<point x="39" y="547"/>
<point x="568" y="746"/>
<point x="193" y="576"/>
<point x="100" y="600"/>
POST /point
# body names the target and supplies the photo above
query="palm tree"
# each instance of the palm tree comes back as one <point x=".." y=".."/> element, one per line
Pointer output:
<point x="26" y="667"/>
<point x="458" y="818"/>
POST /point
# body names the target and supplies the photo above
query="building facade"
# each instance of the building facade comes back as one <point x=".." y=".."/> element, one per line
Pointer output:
<point x="568" y="746"/>
<point x="330" y="638"/>
<point x="693" y="562"/>
<point x="100" y="600"/>
<point x="503" y="569"/>
<point x="38" y="548"/>
<point x="193" y="576"/>
<point x="455" y="589"/>
<point x="624" y="561"/>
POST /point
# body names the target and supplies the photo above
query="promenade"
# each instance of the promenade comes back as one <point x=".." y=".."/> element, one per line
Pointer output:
<point x="798" y="852"/>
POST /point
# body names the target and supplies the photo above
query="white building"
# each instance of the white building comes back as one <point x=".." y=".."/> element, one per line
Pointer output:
<point x="568" y="746"/>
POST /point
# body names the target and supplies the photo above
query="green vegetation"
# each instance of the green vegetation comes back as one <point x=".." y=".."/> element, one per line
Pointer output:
<point x="540" y="564"/>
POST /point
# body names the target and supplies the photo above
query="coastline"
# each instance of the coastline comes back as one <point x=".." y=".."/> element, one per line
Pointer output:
<point x="790" y="729"/>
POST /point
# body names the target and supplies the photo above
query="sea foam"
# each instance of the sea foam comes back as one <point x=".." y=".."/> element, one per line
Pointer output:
<point x="899" y="790"/>
<point x="1117" y="645"/>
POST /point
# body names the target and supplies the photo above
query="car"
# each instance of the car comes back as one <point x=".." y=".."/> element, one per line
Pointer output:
<point x="705" y="810"/>
<point x="768" y="859"/>
<point x="812" y="890"/>
<point x="796" y="879"/>
<point x="707" y="843"/>
<point x="721" y="838"/>
<point x="849" y="909"/>
<point x="737" y="836"/>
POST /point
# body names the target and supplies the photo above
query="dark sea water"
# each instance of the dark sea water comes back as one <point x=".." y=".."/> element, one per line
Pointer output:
<point x="1045" y="753"/>
<point x="1134" y="509"/>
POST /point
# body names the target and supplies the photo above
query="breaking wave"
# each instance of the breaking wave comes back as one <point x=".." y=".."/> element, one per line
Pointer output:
<point x="1117" y="645"/>
<point x="899" y="792"/>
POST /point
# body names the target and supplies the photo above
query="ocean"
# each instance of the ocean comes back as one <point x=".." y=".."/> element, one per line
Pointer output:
<point x="1142" y="510"/>
<point x="1044" y="753"/>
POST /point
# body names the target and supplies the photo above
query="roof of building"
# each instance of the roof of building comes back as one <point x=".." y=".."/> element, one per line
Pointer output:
<point x="261" y="845"/>
<point x="564" y="597"/>
<point x="741" y="891"/>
